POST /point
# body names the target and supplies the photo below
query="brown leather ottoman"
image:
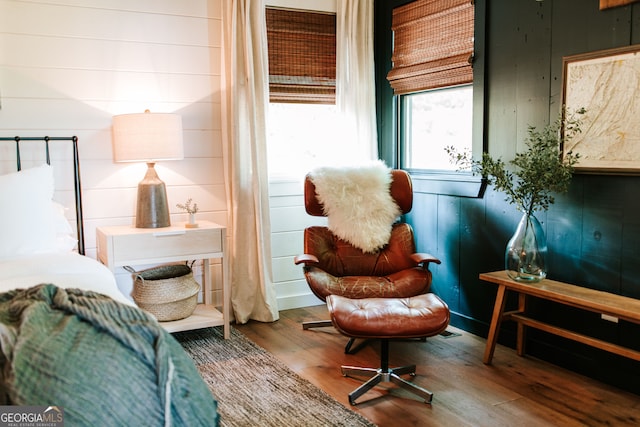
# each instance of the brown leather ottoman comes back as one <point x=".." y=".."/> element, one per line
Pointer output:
<point x="385" y="319"/>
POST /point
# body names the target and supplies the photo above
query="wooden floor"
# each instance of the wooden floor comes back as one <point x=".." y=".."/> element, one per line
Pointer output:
<point x="513" y="391"/>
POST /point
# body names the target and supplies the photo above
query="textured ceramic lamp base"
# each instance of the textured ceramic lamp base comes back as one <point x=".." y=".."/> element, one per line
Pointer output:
<point x="152" y="209"/>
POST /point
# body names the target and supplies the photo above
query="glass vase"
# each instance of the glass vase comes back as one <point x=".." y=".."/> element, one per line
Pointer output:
<point x="526" y="253"/>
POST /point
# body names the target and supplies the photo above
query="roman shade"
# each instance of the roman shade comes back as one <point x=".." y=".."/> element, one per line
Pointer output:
<point x="302" y="56"/>
<point x="433" y="45"/>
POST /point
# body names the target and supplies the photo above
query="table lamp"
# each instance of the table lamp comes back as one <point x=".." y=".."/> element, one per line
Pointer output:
<point x="149" y="137"/>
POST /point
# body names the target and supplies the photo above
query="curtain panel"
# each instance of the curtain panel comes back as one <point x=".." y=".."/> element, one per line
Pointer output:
<point x="245" y="94"/>
<point x="355" y="87"/>
<point x="244" y="104"/>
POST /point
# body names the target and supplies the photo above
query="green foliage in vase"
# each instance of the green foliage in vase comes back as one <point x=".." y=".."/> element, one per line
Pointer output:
<point x="187" y="206"/>
<point x="536" y="174"/>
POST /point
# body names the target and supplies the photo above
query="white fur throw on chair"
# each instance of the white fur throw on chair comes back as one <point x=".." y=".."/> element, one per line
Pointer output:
<point x="358" y="203"/>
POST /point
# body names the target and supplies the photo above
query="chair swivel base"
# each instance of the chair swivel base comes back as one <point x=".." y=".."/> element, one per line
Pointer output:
<point x="316" y="324"/>
<point x="376" y="376"/>
<point x="348" y="348"/>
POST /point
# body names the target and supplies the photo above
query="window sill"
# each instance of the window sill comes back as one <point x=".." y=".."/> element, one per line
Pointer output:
<point x="448" y="183"/>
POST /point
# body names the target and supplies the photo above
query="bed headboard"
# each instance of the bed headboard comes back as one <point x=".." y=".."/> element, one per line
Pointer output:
<point x="76" y="175"/>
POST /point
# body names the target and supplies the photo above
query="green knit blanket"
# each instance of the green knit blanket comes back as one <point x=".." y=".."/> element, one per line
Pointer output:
<point x="103" y="362"/>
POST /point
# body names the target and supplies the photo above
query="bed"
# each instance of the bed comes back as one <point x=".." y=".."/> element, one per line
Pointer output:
<point x="68" y="337"/>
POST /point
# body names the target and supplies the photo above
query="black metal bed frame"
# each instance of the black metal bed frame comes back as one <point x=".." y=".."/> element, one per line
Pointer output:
<point x="76" y="175"/>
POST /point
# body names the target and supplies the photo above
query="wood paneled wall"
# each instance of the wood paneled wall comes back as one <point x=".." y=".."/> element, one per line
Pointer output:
<point x="68" y="66"/>
<point x="593" y="232"/>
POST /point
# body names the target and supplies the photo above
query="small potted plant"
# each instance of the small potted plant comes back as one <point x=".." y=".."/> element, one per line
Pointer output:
<point x="529" y="183"/>
<point x="191" y="209"/>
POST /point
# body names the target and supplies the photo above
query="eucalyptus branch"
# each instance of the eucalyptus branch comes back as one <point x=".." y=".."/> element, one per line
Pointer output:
<point x="192" y="209"/>
<point x="532" y="177"/>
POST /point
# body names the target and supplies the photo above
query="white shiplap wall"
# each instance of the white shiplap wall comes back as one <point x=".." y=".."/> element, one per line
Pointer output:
<point x="68" y="66"/>
<point x="288" y="221"/>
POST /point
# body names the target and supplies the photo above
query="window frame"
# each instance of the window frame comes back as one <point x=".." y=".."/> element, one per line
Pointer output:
<point x="453" y="183"/>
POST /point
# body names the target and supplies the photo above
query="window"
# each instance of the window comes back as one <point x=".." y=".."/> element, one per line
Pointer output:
<point x="304" y="128"/>
<point x="301" y="137"/>
<point x="432" y="76"/>
<point x="433" y="120"/>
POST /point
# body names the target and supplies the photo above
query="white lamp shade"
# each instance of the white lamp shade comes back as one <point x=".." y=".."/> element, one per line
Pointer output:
<point x="147" y="137"/>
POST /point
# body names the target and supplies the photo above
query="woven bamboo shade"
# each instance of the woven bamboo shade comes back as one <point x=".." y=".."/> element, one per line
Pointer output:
<point x="433" y="45"/>
<point x="302" y="56"/>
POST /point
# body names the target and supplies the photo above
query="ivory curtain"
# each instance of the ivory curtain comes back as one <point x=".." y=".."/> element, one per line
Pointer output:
<point x="355" y="75"/>
<point x="244" y="103"/>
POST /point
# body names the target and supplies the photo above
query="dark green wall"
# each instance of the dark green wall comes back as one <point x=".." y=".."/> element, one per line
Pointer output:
<point x="593" y="231"/>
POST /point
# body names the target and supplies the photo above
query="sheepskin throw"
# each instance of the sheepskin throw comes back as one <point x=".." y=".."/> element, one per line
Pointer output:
<point x="358" y="203"/>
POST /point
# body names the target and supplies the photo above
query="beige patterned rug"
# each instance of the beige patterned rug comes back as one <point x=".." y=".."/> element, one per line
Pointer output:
<point x="254" y="388"/>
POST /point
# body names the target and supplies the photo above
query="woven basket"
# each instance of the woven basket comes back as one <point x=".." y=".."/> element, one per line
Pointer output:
<point x="168" y="292"/>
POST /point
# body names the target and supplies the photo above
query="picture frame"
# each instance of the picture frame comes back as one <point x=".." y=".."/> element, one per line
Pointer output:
<point x="608" y="4"/>
<point x="606" y="84"/>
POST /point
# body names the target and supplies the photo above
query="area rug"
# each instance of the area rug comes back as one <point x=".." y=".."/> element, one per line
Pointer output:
<point x="254" y="388"/>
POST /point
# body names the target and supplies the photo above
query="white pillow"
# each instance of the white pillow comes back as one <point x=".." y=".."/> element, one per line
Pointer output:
<point x="65" y="242"/>
<point x="27" y="225"/>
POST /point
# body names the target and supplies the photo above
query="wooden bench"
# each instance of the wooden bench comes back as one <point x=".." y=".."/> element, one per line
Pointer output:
<point x="616" y="306"/>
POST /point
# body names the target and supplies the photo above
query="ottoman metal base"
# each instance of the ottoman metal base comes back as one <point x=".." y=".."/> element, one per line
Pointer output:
<point x="387" y="319"/>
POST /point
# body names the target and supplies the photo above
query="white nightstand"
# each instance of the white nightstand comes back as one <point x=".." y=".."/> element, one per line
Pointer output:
<point x="125" y="245"/>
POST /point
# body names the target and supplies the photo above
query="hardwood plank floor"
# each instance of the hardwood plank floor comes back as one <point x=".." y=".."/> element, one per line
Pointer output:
<point x="513" y="391"/>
